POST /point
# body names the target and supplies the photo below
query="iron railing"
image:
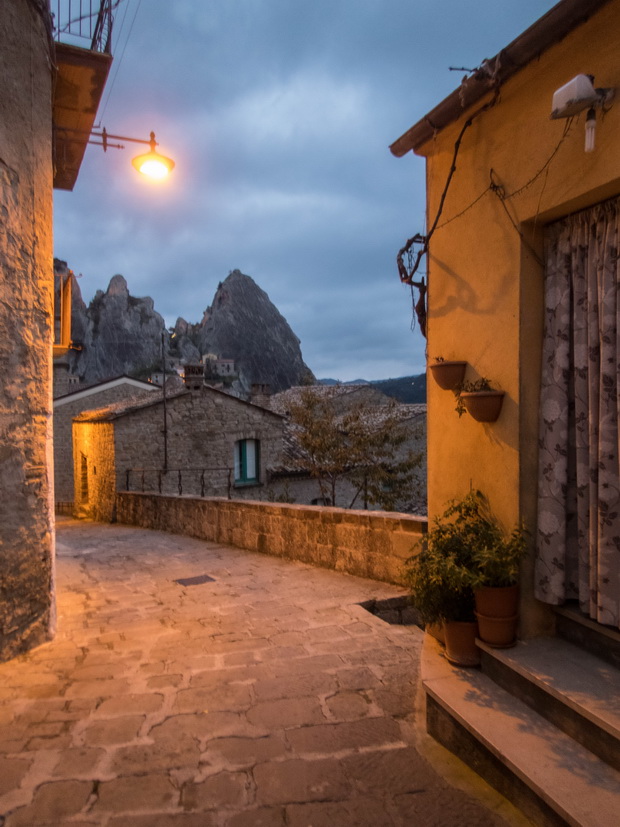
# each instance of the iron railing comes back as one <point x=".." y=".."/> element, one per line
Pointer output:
<point x="202" y="482"/>
<point x="78" y="20"/>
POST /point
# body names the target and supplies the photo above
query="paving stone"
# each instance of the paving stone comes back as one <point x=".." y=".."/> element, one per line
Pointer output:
<point x="164" y="681"/>
<point x="97" y="689"/>
<point x="12" y="771"/>
<point x="138" y="792"/>
<point x="260" y="817"/>
<point x="286" y="713"/>
<point x="164" y="752"/>
<point x="357" y="677"/>
<point x="283" y="782"/>
<point x="206" y="726"/>
<point x="112" y="731"/>
<point x="76" y="762"/>
<point x="129" y="704"/>
<point x="360" y="812"/>
<point x="225" y="790"/>
<point x="52" y="804"/>
<point x="320" y="683"/>
<point x="342" y="736"/>
<point x="349" y="706"/>
<point x="394" y="771"/>
<point x="163" y="820"/>
<point x="434" y="809"/>
<point x="307" y="665"/>
<point x="245" y="752"/>
<point x="231" y="698"/>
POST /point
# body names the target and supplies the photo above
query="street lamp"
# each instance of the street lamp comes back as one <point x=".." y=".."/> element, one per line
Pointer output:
<point x="151" y="163"/>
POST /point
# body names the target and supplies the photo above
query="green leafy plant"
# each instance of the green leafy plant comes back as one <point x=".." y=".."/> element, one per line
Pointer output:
<point x="469" y="387"/>
<point x="464" y="548"/>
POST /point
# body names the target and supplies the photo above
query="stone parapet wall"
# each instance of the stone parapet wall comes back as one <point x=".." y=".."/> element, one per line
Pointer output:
<point x="366" y="544"/>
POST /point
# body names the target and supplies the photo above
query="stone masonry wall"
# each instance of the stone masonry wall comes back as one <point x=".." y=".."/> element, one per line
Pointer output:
<point x="203" y="427"/>
<point x="94" y="470"/>
<point x="63" y="444"/>
<point x="366" y="544"/>
<point x="26" y="313"/>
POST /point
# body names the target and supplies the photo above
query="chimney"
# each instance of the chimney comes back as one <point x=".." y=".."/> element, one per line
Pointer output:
<point x="260" y="395"/>
<point x="194" y="377"/>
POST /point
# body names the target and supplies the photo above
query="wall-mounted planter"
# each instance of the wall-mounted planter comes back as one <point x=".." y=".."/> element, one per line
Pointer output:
<point x="448" y="375"/>
<point x="484" y="406"/>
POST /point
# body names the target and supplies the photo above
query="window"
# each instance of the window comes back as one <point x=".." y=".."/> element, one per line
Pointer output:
<point x="246" y="461"/>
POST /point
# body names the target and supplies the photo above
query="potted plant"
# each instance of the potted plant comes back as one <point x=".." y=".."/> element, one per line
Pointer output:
<point x="448" y="373"/>
<point x="465" y="559"/>
<point x="441" y="582"/>
<point x="479" y="399"/>
<point x="495" y="568"/>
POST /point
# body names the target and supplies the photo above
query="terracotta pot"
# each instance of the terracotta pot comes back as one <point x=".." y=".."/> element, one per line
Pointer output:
<point x="484" y="406"/>
<point x="499" y="632"/>
<point x="460" y="640"/>
<point x="497" y="601"/>
<point x="448" y="374"/>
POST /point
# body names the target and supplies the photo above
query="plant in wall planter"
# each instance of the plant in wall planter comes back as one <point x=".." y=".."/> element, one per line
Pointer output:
<point x="479" y="400"/>
<point x="448" y="373"/>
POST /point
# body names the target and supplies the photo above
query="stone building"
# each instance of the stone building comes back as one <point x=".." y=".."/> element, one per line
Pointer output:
<point x="69" y="405"/>
<point x="196" y="441"/>
<point x="26" y="296"/>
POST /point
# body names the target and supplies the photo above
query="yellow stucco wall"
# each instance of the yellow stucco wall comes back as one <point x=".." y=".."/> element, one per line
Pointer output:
<point x="485" y="283"/>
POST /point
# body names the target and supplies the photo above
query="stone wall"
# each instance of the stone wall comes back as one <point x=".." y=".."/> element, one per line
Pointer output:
<point x="366" y="544"/>
<point x="203" y="427"/>
<point x="64" y="412"/>
<point x="95" y="488"/>
<point x="26" y="313"/>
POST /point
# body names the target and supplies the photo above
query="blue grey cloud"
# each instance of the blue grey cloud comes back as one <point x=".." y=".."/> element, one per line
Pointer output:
<point x="279" y="115"/>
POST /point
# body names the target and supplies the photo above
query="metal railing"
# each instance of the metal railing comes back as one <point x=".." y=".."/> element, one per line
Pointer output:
<point x="79" y="20"/>
<point x="202" y="482"/>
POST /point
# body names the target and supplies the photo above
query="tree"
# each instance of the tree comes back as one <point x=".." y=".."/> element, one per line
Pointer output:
<point x="365" y="445"/>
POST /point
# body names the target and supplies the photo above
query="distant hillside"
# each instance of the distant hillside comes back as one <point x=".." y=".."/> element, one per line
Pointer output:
<point x="406" y="389"/>
<point x="411" y="389"/>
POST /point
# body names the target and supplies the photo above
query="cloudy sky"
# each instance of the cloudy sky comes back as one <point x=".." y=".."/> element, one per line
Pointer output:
<point x="279" y="114"/>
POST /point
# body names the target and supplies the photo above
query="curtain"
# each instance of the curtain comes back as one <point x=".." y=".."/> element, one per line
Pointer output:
<point x="578" y="533"/>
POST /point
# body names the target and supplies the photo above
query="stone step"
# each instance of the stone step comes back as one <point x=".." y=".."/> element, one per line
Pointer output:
<point x="553" y="779"/>
<point x="603" y="641"/>
<point x="572" y="688"/>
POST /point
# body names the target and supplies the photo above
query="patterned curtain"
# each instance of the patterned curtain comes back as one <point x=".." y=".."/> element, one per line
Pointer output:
<point x="578" y="537"/>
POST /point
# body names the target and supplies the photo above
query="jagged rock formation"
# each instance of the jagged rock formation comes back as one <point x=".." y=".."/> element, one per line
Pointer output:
<point x="122" y="334"/>
<point x="117" y="332"/>
<point x="243" y="324"/>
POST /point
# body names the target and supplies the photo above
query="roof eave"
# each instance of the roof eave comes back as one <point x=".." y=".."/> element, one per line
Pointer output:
<point x="540" y="36"/>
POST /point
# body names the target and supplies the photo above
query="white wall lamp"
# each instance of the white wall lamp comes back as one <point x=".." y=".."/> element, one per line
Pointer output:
<point x="579" y="94"/>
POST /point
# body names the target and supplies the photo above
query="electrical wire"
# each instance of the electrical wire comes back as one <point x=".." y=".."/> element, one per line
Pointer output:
<point x="120" y="59"/>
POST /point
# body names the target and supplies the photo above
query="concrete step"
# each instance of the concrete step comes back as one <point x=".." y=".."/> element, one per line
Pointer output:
<point x="573" y="689"/>
<point x="553" y="779"/>
<point x="603" y="641"/>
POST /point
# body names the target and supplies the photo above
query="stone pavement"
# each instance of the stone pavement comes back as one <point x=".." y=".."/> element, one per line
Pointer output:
<point x="265" y="697"/>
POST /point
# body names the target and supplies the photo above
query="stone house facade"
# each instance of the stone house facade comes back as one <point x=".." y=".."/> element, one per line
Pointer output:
<point x="68" y="406"/>
<point x="213" y="444"/>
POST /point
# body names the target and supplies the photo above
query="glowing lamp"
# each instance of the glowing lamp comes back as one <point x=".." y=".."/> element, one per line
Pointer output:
<point x="153" y="165"/>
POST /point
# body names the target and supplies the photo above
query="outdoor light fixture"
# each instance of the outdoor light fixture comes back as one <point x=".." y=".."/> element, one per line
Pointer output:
<point x="575" y="96"/>
<point x="151" y="164"/>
